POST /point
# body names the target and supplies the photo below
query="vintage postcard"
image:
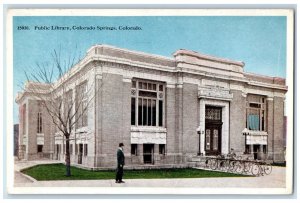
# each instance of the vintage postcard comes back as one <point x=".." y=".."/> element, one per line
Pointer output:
<point x="150" y="101"/>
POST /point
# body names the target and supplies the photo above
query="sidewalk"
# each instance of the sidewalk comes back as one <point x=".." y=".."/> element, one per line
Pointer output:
<point x="275" y="180"/>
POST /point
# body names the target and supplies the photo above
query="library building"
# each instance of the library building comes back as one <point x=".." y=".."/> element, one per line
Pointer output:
<point x="166" y="110"/>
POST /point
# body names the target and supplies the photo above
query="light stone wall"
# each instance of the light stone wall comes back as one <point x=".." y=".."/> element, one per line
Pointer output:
<point x="189" y="119"/>
<point x="237" y="121"/>
<point x="33" y="138"/>
<point x="112" y="120"/>
<point x="171" y="139"/>
<point x="278" y="129"/>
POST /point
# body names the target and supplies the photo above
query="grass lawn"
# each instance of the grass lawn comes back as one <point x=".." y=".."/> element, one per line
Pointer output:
<point x="57" y="172"/>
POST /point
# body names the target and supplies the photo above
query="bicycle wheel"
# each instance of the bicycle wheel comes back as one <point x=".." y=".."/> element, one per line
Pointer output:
<point x="239" y="167"/>
<point x="255" y="169"/>
<point x="207" y="162"/>
<point x="232" y="166"/>
<point x="222" y="165"/>
<point x="247" y="167"/>
<point x="267" y="169"/>
<point x="227" y="165"/>
<point x="213" y="164"/>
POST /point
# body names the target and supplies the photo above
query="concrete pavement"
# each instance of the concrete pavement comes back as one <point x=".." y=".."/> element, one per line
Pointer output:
<point x="277" y="179"/>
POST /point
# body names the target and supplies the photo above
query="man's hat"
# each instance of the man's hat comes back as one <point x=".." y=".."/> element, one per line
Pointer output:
<point x="121" y="144"/>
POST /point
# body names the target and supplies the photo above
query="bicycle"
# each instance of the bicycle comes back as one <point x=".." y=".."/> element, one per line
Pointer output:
<point x="261" y="168"/>
<point x="234" y="163"/>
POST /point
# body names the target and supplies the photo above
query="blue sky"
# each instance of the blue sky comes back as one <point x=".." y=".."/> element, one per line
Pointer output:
<point x="260" y="42"/>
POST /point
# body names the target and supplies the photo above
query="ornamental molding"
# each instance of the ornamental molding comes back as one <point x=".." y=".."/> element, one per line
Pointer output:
<point x="215" y="92"/>
<point x="148" y="137"/>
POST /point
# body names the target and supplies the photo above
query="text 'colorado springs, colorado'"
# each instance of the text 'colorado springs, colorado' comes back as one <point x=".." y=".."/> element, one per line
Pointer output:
<point x="87" y="28"/>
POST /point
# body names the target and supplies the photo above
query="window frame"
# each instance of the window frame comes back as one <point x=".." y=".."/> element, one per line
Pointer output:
<point x="261" y="108"/>
<point x="39" y="123"/>
<point x="139" y="91"/>
<point x="82" y="94"/>
<point x="85" y="149"/>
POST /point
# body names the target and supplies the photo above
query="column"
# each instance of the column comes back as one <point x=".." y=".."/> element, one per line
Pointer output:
<point x="270" y="127"/>
<point x="202" y="126"/>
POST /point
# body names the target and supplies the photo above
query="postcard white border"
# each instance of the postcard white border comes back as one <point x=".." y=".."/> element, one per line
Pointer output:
<point x="150" y="12"/>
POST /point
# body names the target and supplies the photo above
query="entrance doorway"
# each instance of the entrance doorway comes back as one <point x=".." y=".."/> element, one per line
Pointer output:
<point x="148" y="150"/>
<point x="213" y="130"/>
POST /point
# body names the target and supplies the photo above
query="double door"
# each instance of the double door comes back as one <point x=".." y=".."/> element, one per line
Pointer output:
<point x="213" y="138"/>
<point x="213" y="130"/>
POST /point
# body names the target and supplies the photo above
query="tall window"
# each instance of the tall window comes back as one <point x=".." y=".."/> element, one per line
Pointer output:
<point x="58" y="106"/>
<point x="256" y="112"/>
<point x="81" y="105"/>
<point x="85" y="149"/>
<point x="39" y="123"/>
<point x="147" y="103"/>
<point x="76" y="149"/>
<point x="68" y="103"/>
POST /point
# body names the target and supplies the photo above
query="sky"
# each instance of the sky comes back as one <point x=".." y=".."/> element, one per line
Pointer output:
<point x="258" y="41"/>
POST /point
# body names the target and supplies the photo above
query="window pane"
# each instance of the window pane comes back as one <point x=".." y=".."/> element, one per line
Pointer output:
<point x="161" y="88"/>
<point x="140" y="85"/>
<point x="212" y="113"/>
<point x="84" y="113"/>
<point x="253" y="122"/>
<point x="207" y="139"/>
<point x="132" y="111"/>
<point x="140" y="113"/>
<point x="85" y="149"/>
<point x="144" y="85"/>
<point x="256" y="112"/>
<point x="147" y="94"/>
<point x="149" y="112"/>
<point x="160" y="113"/>
<point x="154" y="87"/>
<point x="215" y="142"/>
<point x="38" y="123"/>
<point x="263" y="120"/>
<point x="133" y="84"/>
<point x="41" y="123"/>
<point x="149" y="86"/>
<point x="144" y="111"/>
<point x="153" y="113"/>
<point x="253" y="105"/>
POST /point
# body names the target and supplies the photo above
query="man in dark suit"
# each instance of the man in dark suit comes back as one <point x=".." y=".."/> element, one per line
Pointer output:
<point x="121" y="162"/>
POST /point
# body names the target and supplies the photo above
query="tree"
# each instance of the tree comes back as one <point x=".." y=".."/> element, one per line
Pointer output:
<point x="54" y="85"/>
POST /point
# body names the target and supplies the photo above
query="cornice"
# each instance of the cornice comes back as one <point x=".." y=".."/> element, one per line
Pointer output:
<point x="208" y="57"/>
<point x="123" y="63"/>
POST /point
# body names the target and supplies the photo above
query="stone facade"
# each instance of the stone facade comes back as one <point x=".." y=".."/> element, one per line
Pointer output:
<point x="164" y="110"/>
